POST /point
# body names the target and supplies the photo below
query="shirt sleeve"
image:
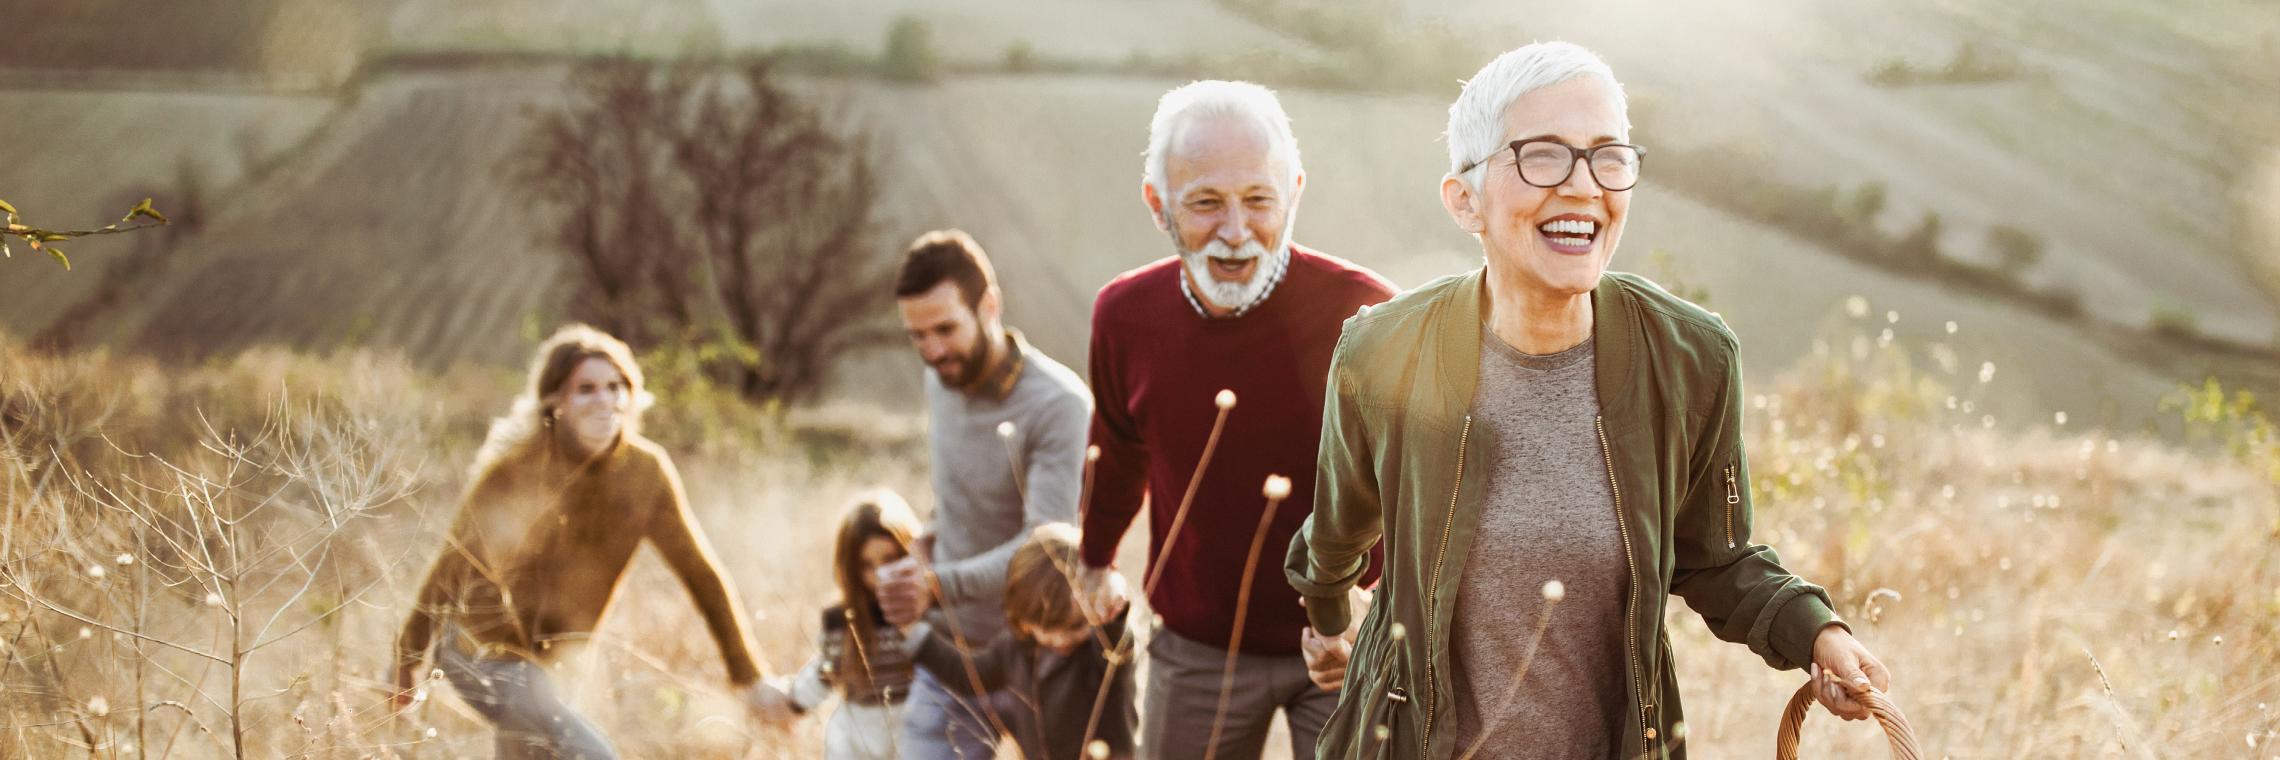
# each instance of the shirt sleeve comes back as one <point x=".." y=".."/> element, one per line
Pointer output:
<point x="1120" y="477"/>
<point x="674" y="530"/>
<point x="966" y="672"/>
<point x="1052" y="460"/>
<point x="1331" y="551"/>
<point x="460" y="563"/>
<point x="1739" y="588"/>
<point x="809" y="689"/>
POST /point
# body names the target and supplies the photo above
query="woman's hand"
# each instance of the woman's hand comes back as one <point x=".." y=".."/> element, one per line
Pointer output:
<point x="1839" y="660"/>
<point x="1326" y="656"/>
<point x="407" y="684"/>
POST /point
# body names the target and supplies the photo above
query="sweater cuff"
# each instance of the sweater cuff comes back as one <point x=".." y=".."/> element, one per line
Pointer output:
<point x="949" y="584"/>
<point x="1798" y="624"/>
<point x="1301" y="566"/>
<point x="1098" y="554"/>
<point x="914" y="637"/>
<point x="1328" y="614"/>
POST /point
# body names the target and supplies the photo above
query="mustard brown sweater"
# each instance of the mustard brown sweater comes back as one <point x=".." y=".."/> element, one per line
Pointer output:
<point x="541" y="543"/>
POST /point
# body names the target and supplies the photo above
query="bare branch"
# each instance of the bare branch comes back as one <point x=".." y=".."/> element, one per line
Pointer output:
<point x="26" y="593"/>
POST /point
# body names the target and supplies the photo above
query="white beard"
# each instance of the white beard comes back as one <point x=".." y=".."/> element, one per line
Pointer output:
<point x="1235" y="296"/>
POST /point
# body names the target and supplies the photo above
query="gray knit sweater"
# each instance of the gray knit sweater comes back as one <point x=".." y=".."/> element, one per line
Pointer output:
<point x="981" y="511"/>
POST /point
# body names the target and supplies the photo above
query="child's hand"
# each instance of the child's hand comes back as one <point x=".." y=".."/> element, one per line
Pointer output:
<point x="769" y="703"/>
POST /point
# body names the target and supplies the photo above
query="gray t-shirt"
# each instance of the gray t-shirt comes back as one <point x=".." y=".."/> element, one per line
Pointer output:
<point x="1548" y="514"/>
<point x="981" y="514"/>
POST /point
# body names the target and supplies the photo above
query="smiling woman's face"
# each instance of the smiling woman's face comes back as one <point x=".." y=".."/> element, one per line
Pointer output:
<point x="1557" y="240"/>
<point x="595" y="402"/>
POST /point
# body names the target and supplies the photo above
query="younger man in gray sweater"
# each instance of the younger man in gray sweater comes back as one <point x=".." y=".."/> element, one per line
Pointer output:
<point x="1006" y="430"/>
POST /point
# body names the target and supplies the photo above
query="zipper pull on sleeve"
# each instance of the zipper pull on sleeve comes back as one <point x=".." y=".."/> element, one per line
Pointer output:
<point x="1733" y="498"/>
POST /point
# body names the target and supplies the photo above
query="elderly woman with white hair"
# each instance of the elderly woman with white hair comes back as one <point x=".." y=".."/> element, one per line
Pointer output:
<point x="1549" y="451"/>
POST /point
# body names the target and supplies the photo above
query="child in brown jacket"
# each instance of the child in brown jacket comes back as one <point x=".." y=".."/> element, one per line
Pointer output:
<point x="1051" y="658"/>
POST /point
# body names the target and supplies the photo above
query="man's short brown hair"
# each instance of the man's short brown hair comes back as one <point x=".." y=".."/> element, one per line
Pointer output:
<point x="1038" y="591"/>
<point x="946" y="255"/>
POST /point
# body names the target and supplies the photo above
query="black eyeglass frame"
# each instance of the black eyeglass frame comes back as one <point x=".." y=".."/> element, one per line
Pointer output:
<point x="1583" y="154"/>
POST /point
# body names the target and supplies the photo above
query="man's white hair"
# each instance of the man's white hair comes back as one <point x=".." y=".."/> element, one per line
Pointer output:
<point x="1215" y="97"/>
<point x="1476" y="120"/>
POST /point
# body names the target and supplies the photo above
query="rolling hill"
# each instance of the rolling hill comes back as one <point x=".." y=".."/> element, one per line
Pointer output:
<point x="386" y="217"/>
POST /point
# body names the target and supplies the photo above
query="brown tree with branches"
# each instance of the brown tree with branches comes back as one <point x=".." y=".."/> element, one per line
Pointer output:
<point x="704" y="205"/>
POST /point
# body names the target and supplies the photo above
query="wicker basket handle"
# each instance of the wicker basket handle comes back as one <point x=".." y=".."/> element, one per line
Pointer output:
<point x="1887" y="713"/>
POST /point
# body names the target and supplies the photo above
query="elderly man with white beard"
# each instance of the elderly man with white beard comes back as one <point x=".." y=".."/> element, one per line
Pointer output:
<point x="1241" y="308"/>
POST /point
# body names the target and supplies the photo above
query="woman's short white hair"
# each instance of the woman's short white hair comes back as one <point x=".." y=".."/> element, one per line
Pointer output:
<point x="1216" y="97"/>
<point x="1476" y="120"/>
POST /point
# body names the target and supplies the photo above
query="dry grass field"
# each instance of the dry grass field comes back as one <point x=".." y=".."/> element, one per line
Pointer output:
<point x="1998" y="571"/>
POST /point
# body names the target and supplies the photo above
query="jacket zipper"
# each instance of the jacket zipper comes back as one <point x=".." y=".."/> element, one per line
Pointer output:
<point x="1433" y="595"/>
<point x="1733" y="497"/>
<point x="1630" y="605"/>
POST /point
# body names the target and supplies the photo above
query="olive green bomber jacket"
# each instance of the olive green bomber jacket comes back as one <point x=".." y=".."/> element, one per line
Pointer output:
<point x="1395" y="440"/>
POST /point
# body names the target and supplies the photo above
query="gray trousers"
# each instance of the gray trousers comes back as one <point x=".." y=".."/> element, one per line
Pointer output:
<point x="1182" y="701"/>
<point x="518" y="697"/>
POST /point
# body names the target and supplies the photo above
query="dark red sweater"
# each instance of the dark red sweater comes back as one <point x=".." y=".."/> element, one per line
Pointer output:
<point x="1157" y="365"/>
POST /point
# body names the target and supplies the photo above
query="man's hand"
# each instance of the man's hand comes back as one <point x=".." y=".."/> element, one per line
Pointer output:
<point x="1326" y="656"/>
<point x="906" y="590"/>
<point x="1102" y="592"/>
<point x="1840" y="665"/>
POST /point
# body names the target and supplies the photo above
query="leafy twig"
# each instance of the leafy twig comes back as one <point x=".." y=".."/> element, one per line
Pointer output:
<point x="40" y="239"/>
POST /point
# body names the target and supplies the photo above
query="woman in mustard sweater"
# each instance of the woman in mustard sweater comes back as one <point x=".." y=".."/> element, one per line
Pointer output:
<point x="564" y="490"/>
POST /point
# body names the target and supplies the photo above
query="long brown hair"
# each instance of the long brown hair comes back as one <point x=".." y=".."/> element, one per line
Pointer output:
<point x="878" y="513"/>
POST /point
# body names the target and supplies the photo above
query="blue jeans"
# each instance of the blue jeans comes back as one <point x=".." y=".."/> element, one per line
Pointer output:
<point x="939" y="725"/>
<point x="518" y="698"/>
